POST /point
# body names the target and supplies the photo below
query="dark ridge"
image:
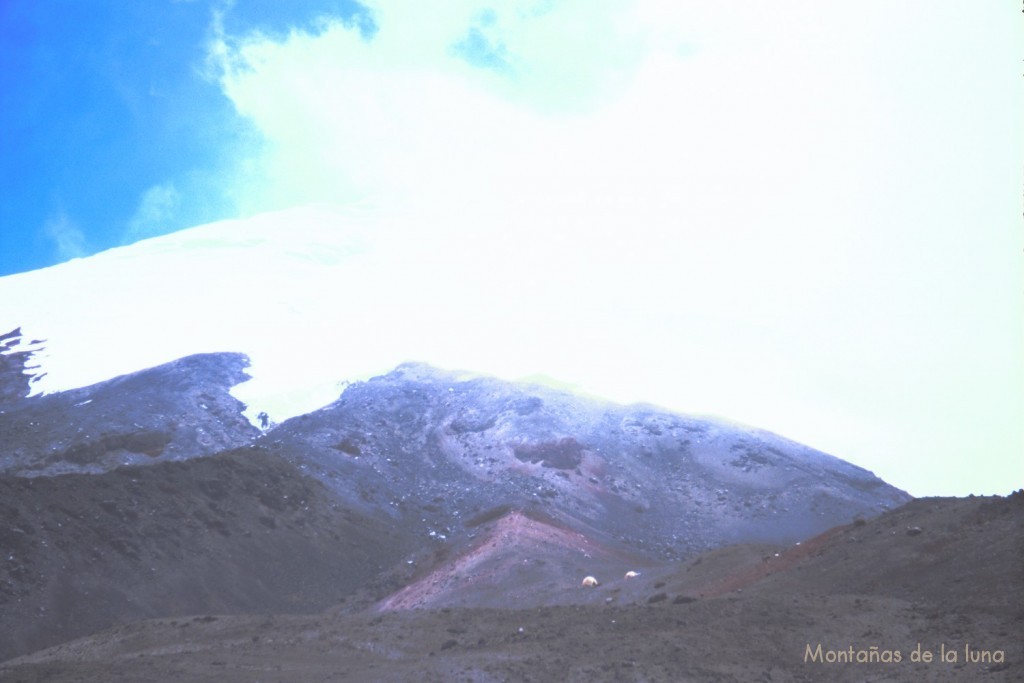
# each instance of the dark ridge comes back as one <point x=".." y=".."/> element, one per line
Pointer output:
<point x="16" y="376"/>
<point x="174" y="411"/>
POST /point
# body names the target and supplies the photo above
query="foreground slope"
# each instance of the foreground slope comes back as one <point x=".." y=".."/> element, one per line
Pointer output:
<point x="863" y="588"/>
<point x="239" y="532"/>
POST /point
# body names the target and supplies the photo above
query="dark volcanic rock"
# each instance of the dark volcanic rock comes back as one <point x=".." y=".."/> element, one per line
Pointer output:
<point x="564" y="454"/>
<point x="15" y="372"/>
<point x="174" y="411"/>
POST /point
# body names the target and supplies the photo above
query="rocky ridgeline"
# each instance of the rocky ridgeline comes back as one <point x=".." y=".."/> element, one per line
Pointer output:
<point x="175" y="411"/>
<point x="15" y="366"/>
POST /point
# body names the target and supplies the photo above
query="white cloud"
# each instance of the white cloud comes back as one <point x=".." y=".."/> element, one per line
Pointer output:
<point x="67" y="238"/>
<point x="155" y="213"/>
<point x="800" y="215"/>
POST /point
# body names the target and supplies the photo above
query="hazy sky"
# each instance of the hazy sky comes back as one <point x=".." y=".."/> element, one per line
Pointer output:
<point x="805" y="216"/>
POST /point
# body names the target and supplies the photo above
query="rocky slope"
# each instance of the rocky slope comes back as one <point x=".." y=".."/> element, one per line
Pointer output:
<point x="150" y="495"/>
<point x="175" y="411"/>
<point x="436" y="450"/>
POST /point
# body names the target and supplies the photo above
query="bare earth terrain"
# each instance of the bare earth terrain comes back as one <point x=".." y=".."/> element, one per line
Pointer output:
<point x="870" y="591"/>
<point x="431" y="527"/>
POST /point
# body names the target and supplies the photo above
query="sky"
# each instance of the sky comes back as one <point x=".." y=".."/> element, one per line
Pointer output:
<point x="803" y="216"/>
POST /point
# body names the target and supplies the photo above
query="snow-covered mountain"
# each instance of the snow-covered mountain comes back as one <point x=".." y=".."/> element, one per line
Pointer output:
<point x="269" y="287"/>
<point x="316" y="297"/>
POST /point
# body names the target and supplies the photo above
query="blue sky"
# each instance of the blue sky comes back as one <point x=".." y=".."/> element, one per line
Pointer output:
<point x="805" y="216"/>
<point x="113" y="126"/>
